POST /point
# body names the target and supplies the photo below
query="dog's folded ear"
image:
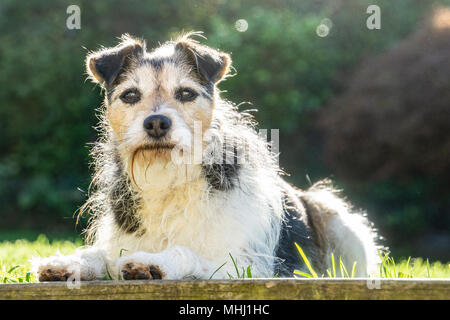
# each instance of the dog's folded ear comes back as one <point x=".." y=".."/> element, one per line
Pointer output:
<point x="106" y="65"/>
<point x="210" y="64"/>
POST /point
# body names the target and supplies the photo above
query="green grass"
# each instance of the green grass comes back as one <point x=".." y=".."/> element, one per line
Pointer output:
<point x="409" y="268"/>
<point x="14" y="256"/>
<point x="15" y="265"/>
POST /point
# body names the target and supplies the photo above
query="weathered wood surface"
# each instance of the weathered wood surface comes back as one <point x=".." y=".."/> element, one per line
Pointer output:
<point x="249" y="289"/>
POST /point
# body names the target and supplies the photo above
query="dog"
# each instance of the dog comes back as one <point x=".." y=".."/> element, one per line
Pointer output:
<point x="159" y="210"/>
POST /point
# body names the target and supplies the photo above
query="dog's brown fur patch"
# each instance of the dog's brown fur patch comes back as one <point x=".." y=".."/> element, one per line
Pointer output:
<point x="53" y="274"/>
<point x="140" y="271"/>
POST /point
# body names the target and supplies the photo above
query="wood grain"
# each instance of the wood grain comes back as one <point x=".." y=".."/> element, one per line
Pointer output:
<point x="253" y="289"/>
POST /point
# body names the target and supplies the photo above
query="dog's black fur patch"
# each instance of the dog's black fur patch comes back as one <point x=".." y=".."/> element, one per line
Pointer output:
<point x="110" y="64"/>
<point x="124" y="210"/>
<point x="123" y="201"/>
<point x="296" y="228"/>
<point x="221" y="177"/>
<point x="209" y="86"/>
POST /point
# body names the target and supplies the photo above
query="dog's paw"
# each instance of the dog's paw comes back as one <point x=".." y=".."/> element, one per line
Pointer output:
<point x="86" y="264"/>
<point x="56" y="268"/>
<point x="140" y="271"/>
<point x="143" y="266"/>
<point x="53" y="274"/>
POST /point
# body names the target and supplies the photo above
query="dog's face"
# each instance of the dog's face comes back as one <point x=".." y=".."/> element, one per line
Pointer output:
<point x="155" y="101"/>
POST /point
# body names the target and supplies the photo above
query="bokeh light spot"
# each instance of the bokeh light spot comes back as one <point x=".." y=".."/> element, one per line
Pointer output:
<point x="241" y="25"/>
<point x="322" y="30"/>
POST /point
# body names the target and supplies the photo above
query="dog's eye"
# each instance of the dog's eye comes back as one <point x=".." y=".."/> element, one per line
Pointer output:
<point x="186" y="94"/>
<point x="130" y="96"/>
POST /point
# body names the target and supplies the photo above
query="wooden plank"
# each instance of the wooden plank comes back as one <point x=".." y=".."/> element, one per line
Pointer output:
<point x="248" y="289"/>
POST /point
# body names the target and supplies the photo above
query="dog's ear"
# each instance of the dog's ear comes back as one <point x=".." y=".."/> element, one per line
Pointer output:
<point x="105" y="66"/>
<point x="210" y="64"/>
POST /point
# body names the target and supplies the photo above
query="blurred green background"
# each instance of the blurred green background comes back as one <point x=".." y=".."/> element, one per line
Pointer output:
<point x="367" y="108"/>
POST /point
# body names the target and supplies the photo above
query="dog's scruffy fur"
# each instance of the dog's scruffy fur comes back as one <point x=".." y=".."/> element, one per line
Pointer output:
<point x="153" y="217"/>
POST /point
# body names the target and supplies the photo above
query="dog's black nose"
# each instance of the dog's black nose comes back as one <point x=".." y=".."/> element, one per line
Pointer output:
<point x="157" y="125"/>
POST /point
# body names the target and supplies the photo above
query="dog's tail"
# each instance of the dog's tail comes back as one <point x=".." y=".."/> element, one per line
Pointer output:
<point x="340" y="232"/>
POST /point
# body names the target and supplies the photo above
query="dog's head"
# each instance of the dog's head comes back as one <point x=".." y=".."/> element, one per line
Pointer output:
<point x="155" y="100"/>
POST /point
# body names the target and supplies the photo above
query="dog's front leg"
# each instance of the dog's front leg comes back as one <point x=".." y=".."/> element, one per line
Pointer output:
<point x="174" y="263"/>
<point x="84" y="265"/>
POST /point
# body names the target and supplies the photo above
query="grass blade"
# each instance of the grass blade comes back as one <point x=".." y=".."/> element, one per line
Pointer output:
<point x="217" y="270"/>
<point x="304" y="274"/>
<point x="235" y="264"/>
<point x="407" y="266"/>
<point x="343" y="268"/>
<point x="354" y="269"/>
<point x="13" y="268"/>
<point x="305" y="259"/>
<point x="334" y="265"/>
<point x="249" y="272"/>
<point x="394" y="268"/>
